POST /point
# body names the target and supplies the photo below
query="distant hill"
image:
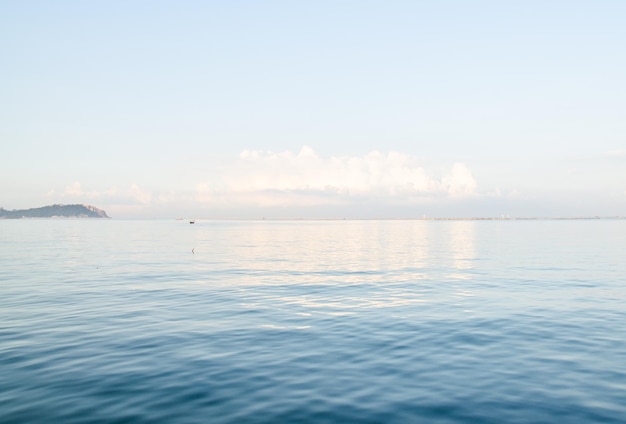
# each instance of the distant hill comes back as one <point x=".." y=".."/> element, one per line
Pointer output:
<point x="55" y="211"/>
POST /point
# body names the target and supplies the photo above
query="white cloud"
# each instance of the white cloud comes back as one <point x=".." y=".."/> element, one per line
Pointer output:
<point x="134" y="192"/>
<point x="460" y="181"/>
<point x="74" y="190"/>
<point x="287" y="178"/>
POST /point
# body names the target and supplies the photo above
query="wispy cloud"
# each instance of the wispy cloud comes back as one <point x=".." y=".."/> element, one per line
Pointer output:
<point x="76" y="193"/>
<point x="617" y="153"/>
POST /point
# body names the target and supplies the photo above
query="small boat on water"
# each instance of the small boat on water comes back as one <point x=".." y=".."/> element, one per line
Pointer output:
<point x="192" y="221"/>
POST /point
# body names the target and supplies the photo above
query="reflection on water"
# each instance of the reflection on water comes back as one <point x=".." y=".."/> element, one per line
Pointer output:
<point x="387" y="256"/>
<point x="462" y="251"/>
<point x="393" y="257"/>
<point x="390" y="258"/>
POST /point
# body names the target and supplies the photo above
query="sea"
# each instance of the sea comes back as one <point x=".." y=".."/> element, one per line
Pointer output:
<point x="347" y="321"/>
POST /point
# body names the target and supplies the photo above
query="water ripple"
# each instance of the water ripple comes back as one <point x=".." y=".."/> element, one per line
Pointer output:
<point x="267" y="322"/>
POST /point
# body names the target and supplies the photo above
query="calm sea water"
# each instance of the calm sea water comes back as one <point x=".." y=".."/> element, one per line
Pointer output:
<point x="323" y="321"/>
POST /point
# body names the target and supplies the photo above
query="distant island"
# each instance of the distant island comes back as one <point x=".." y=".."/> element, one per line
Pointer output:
<point x="55" y="211"/>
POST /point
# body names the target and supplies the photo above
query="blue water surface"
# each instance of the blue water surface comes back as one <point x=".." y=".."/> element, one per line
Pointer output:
<point x="105" y="321"/>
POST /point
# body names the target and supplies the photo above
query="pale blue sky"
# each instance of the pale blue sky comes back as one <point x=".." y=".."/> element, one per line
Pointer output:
<point x="315" y="109"/>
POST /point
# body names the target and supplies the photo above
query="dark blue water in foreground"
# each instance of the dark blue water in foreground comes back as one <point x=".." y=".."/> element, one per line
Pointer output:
<point x="338" y="321"/>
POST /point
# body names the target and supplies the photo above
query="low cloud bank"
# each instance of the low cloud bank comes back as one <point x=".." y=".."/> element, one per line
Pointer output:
<point x="268" y="178"/>
<point x="257" y="179"/>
